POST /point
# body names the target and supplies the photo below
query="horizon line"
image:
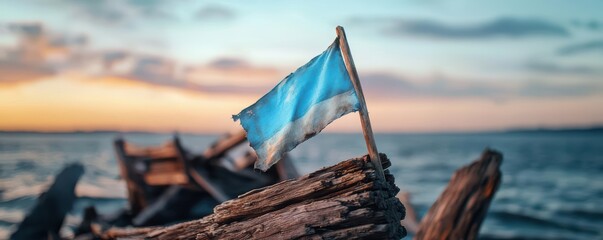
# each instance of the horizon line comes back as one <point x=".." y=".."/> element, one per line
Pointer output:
<point x="591" y="128"/>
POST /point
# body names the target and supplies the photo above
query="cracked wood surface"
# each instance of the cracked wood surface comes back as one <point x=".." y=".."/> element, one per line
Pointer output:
<point x="460" y="210"/>
<point x="344" y="201"/>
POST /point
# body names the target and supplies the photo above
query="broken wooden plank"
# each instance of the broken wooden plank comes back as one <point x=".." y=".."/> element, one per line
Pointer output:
<point x="136" y="195"/>
<point x="201" y="179"/>
<point x="220" y="147"/>
<point x="461" y="208"/>
<point x="167" y="150"/>
<point x="198" y="176"/>
<point x="344" y="201"/>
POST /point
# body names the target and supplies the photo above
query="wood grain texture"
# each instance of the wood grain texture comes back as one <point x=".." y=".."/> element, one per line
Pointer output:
<point x="461" y="208"/>
<point x="363" y="112"/>
<point x="344" y="201"/>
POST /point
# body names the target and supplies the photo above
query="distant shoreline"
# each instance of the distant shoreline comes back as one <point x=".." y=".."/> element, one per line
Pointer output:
<point x="597" y="129"/>
<point x="87" y="132"/>
<point x="594" y="129"/>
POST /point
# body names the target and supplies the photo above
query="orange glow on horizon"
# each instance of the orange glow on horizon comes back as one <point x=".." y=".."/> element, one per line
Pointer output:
<point x="64" y="104"/>
<point x="58" y="104"/>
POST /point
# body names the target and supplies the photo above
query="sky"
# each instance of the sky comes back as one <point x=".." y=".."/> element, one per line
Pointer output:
<point x="187" y="66"/>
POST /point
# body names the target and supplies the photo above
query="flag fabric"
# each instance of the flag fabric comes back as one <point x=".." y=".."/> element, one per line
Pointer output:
<point x="299" y="107"/>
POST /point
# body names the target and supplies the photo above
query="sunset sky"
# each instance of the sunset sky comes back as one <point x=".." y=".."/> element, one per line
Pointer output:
<point x="426" y="66"/>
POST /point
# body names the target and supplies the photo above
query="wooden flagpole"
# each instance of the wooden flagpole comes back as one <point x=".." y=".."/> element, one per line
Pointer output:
<point x="364" y="116"/>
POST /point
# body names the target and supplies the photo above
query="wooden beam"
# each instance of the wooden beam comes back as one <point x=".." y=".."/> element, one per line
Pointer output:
<point x="136" y="198"/>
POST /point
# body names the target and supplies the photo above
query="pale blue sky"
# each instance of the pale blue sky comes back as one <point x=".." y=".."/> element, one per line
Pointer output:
<point x="497" y="52"/>
<point x="288" y="32"/>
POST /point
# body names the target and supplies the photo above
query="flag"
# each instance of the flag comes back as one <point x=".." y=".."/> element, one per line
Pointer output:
<point x="299" y="107"/>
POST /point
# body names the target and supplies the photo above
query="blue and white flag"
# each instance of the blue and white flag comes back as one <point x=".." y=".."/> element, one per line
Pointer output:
<point x="299" y="107"/>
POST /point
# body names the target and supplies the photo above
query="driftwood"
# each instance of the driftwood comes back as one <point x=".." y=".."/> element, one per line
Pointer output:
<point x="165" y="181"/>
<point x="45" y="219"/>
<point x="155" y="178"/>
<point x="411" y="222"/>
<point x="461" y="208"/>
<point x="344" y="201"/>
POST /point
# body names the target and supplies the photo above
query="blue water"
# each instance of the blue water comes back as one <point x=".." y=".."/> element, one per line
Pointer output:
<point x="552" y="182"/>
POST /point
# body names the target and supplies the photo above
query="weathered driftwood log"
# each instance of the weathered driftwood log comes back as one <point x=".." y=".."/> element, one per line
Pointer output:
<point x="461" y="208"/>
<point x="46" y="218"/>
<point x="344" y="201"/>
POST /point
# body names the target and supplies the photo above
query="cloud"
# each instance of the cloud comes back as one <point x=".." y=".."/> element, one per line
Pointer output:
<point x="236" y="76"/>
<point x="159" y="72"/>
<point x="153" y="69"/>
<point x="223" y="75"/>
<point x="110" y="59"/>
<point x="506" y="27"/>
<point x="592" y="25"/>
<point x="580" y="48"/>
<point x="385" y="85"/>
<point x="215" y="12"/>
<point x="229" y="63"/>
<point x="552" y="68"/>
<point x="539" y="88"/>
<point x="37" y="53"/>
<point x="26" y="29"/>
<point x="40" y="53"/>
<point x="389" y="85"/>
<point x="69" y="41"/>
<point x="34" y="33"/>
<point x="117" y="13"/>
<point x="104" y="12"/>
<point x="20" y="72"/>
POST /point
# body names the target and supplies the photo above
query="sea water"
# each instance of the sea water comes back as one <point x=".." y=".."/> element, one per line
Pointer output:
<point x="552" y="185"/>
